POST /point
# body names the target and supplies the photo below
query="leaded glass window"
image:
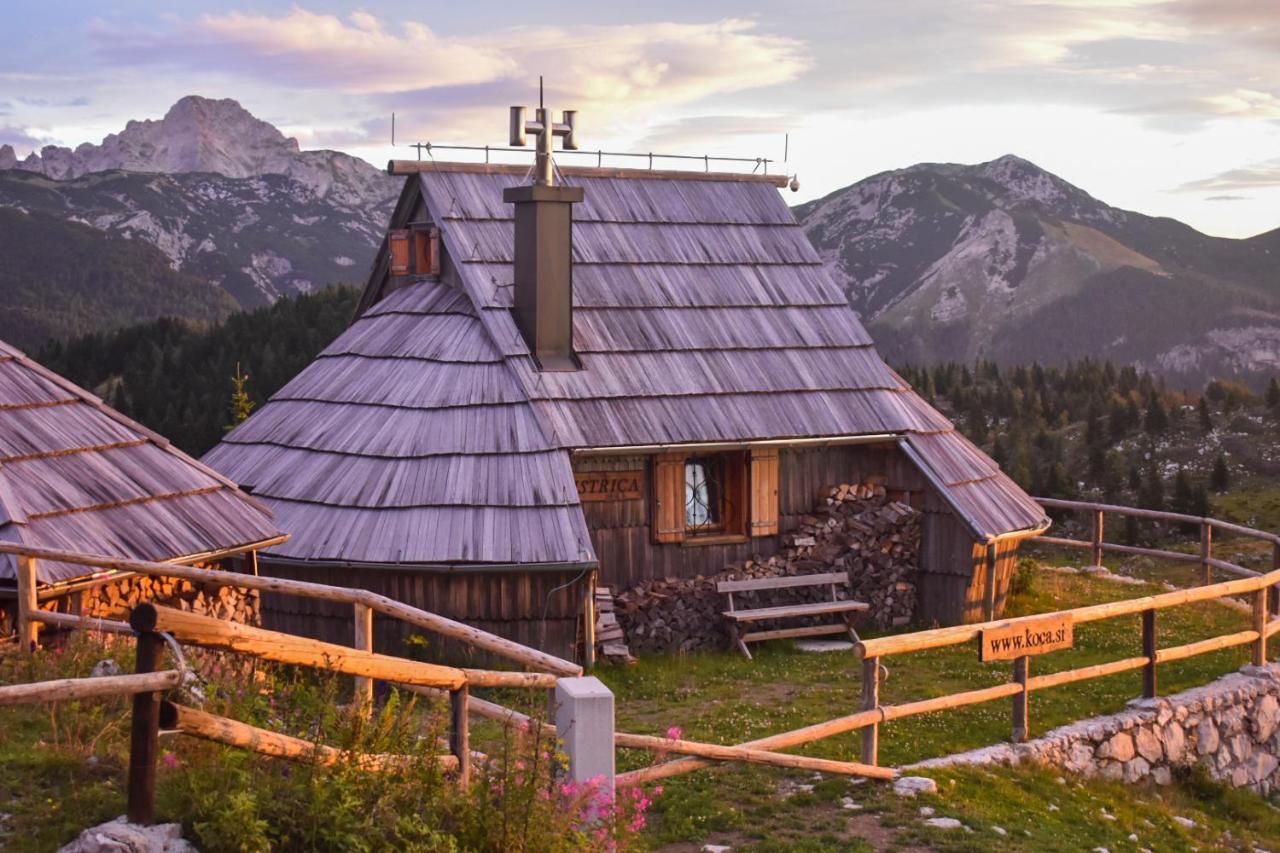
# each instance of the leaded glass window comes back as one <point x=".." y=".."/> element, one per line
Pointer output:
<point x="704" y="493"/>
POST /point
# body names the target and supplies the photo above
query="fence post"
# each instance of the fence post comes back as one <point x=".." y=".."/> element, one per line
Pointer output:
<point x="363" y="641"/>
<point x="1260" y="598"/>
<point x="1206" y="551"/>
<point x="1021" y="701"/>
<point x="871" y="701"/>
<point x="990" y="604"/>
<point x="460" y="732"/>
<point x="585" y="723"/>
<point x="1275" y="567"/>
<point x="144" y="741"/>
<point x="589" y="624"/>
<point x="28" y="604"/>
<point x="1097" y="534"/>
<point x="1149" y="685"/>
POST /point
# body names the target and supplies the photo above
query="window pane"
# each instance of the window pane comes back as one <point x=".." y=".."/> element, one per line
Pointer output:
<point x="702" y="492"/>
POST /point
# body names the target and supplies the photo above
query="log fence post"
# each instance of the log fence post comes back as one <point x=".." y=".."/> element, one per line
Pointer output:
<point x="144" y="738"/>
<point x="363" y="640"/>
<point x="460" y="732"/>
<point x="1206" y="553"/>
<point x="1260" y="599"/>
<point x="1021" y="701"/>
<point x="28" y="604"/>
<point x="589" y="624"/>
<point x="989" y="605"/>
<point x="1275" y="567"/>
<point x="1096" y="537"/>
<point x="1150" y="687"/>
<point x="584" y="716"/>
<point x="870" y="702"/>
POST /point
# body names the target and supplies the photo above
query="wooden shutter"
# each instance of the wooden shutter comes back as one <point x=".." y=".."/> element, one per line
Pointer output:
<point x="737" y="498"/>
<point x="668" y="498"/>
<point x="426" y="251"/>
<point x="764" y="492"/>
<point x="398" y="244"/>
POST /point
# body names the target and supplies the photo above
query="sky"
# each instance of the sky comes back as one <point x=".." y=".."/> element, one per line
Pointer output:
<point x="1168" y="107"/>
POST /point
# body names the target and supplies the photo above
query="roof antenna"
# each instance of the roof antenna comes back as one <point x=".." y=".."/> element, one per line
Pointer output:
<point x="786" y="143"/>
<point x="393" y="130"/>
<point x="540" y="104"/>
<point x="794" y="185"/>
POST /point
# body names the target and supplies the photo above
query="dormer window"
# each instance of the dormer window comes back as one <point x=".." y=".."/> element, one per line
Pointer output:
<point x="414" y="250"/>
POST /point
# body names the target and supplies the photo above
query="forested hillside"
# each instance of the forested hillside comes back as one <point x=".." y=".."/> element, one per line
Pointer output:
<point x="1095" y="431"/>
<point x="60" y="279"/>
<point x="176" y="377"/>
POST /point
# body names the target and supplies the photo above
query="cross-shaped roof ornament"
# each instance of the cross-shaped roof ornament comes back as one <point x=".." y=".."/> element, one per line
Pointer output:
<point x="546" y="131"/>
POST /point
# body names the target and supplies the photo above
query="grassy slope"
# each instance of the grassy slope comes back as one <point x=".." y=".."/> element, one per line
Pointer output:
<point x="725" y="698"/>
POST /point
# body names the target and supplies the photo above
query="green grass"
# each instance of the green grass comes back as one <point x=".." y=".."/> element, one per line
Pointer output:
<point x="724" y="698"/>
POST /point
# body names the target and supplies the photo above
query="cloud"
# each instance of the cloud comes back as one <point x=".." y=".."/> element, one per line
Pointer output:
<point x="308" y="50"/>
<point x="1253" y="22"/>
<point x="668" y="62"/>
<point x="1228" y="198"/>
<point x="20" y="138"/>
<point x="710" y="132"/>
<point x="1265" y="173"/>
<point x="1238" y="103"/>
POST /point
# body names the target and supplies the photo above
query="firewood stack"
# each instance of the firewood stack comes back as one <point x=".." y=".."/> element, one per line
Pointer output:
<point x="611" y="644"/>
<point x="857" y="529"/>
<point x="220" y="602"/>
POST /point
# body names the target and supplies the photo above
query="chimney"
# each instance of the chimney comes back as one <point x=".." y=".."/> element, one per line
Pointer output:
<point x="544" y="245"/>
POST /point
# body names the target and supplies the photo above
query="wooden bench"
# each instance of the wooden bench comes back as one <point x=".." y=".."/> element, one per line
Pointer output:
<point x="738" y="618"/>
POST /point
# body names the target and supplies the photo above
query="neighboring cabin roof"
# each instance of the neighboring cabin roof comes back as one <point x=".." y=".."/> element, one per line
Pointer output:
<point x="77" y="475"/>
<point x="701" y="313"/>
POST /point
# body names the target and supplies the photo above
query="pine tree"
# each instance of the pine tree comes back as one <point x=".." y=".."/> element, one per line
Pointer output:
<point x="1135" y="478"/>
<point x="241" y="405"/>
<point x="1220" y="477"/>
<point x="1157" y="418"/>
<point x="1206" y="419"/>
<point x="1152" y="493"/>
<point x="1273" y="394"/>
<point x="1183" y="493"/>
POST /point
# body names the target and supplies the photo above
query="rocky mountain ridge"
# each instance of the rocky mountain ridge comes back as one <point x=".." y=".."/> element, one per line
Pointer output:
<point x="1006" y="261"/>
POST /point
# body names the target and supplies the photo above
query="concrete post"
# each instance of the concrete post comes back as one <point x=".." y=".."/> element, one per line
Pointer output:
<point x="584" y="721"/>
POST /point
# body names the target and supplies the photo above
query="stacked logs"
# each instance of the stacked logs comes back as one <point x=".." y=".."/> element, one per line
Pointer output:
<point x="220" y="602"/>
<point x="858" y="529"/>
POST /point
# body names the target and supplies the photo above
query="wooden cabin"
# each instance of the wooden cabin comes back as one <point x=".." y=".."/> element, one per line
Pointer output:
<point x="76" y="475"/>
<point x="632" y="374"/>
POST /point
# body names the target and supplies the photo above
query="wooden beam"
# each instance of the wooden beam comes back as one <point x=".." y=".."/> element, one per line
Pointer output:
<point x="66" y="689"/>
<point x="871" y="703"/>
<point x="201" y="724"/>
<point x="363" y="640"/>
<point x="144" y="736"/>
<point x="717" y="752"/>
<point x="28" y="604"/>
<point x="460" y="733"/>
<point x="1021" y="700"/>
<point x="213" y="633"/>
<point x="523" y="655"/>
<point x="1150" y="684"/>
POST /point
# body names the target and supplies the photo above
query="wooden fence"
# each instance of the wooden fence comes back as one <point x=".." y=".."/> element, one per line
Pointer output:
<point x="1261" y="587"/>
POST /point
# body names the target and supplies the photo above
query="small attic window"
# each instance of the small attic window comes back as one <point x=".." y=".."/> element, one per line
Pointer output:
<point x="414" y="250"/>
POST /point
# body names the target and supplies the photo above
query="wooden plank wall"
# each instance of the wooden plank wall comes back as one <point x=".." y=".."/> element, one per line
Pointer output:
<point x="509" y="604"/>
<point x="952" y="585"/>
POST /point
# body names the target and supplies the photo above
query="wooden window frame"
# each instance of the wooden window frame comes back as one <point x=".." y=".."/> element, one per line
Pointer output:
<point x="740" y="505"/>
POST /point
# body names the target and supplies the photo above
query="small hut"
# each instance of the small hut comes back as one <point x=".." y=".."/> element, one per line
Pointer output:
<point x="631" y="374"/>
<point x="76" y="475"/>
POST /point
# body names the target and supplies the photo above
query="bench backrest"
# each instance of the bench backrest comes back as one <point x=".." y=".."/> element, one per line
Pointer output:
<point x="783" y="582"/>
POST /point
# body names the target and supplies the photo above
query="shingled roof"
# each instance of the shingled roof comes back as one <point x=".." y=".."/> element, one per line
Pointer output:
<point x="77" y="475"/>
<point x="701" y="314"/>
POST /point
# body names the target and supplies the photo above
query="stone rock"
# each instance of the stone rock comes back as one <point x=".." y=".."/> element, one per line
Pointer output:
<point x="943" y="823"/>
<point x="1118" y="747"/>
<point x="120" y="836"/>
<point x="1112" y="771"/>
<point x="1266" y="716"/>
<point x="1242" y="747"/>
<point x="1162" y="776"/>
<point x="1184" y="821"/>
<point x="1175" y="743"/>
<point x="104" y="668"/>
<point x="716" y="848"/>
<point x="1136" y="769"/>
<point x="1080" y="757"/>
<point x="1206" y="737"/>
<point x="1148" y="745"/>
<point x="1261" y="766"/>
<point x="909" y="786"/>
<point x="999" y="830"/>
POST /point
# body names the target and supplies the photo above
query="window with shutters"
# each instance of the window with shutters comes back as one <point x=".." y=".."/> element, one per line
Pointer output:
<point x="414" y="250"/>
<point x="709" y="497"/>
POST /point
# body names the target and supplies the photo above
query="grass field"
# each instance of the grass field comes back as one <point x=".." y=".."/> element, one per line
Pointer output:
<point x="725" y="698"/>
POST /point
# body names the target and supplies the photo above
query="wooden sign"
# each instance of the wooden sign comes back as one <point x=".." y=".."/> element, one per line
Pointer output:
<point x="610" y="485"/>
<point x="1032" y="637"/>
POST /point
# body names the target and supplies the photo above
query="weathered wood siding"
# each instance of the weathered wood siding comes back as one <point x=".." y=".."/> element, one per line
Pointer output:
<point x="509" y="604"/>
<point x="952" y="585"/>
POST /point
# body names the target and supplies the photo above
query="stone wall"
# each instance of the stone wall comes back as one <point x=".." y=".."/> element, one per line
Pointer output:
<point x="1231" y="727"/>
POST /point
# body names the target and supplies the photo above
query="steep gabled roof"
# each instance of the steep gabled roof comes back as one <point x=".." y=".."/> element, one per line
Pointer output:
<point x="703" y="313"/>
<point x="409" y="440"/>
<point x="425" y="433"/>
<point x="75" y="474"/>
